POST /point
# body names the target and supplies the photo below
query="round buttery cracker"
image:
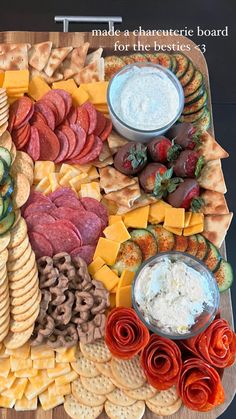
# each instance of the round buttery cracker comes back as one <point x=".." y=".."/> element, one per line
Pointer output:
<point x="98" y="385"/>
<point x="20" y="283"/>
<point x="16" y="252"/>
<point x="4" y="333"/>
<point x="5" y="322"/>
<point x="24" y="270"/>
<point x="21" y="190"/>
<point x="164" y="398"/>
<point x="78" y="410"/>
<point x="84" y="366"/>
<point x="22" y="166"/>
<point x="3" y="257"/>
<point x="6" y="140"/>
<point x="24" y="156"/>
<point x="114" y="411"/>
<point x="82" y="395"/>
<point x="128" y="372"/>
<point x="3" y="128"/>
<point x="4" y="298"/>
<point x="18" y="233"/>
<point x="118" y="385"/>
<point x="4" y="116"/>
<point x="118" y="396"/>
<point x="165" y="410"/>
<point x="4" y="109"/>
<point x="24" y="290"/>
<point x="142" y="393"/>
<point x="4" y="240"/>
<point x="20" y="261"/>
<point x="22" y="308"/>
<point x="96" y="351"/>
<point x="17" y="217"/>
<point x="104" y="368"/>
<point x="20" y="326"/>
<point x="13" y="152"/>
<point x="4" y="286"/>
<point x="24" y="316"/>
<point x="18" y="301"/>
<point x="16" y="340"/>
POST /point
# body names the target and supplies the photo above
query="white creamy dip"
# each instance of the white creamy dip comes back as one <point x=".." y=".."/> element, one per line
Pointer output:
<point x="171" y="295"/>
<point x="145" y="98"/>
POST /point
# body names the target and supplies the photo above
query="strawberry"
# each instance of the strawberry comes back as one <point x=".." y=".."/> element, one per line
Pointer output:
<point x="161" y="150"/>
<point x="148" y="175"/>
<point x="188" y="164"/>
<point x="131" y="158"/>
<point x="165" y="184"/>
<point x="186" y="195"/>
<point x="185" y="134"/>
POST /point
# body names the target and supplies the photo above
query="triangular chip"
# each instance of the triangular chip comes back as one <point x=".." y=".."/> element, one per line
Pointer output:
<point x="105" y="153"/>
<point x="142" y="201"/>
<point x="15" y="59"/>
<point x="216" y="227"/>
<point x="112" y="180"/>
<point x="212" y="177"/>
<point x="74" y="62"/>
<point x="100" y="164"/>
<point x="94" y="56"/>
<point x="210" y="149"/>
<point x="35" y="73"/>
<point x="214" y="203"/>
<point x="115" y="141"/>
<point x="125" y="196"/>
<point x="92" y="72"/>
<point x="9" y="47"/>
<point x="39" y="55"/>
<point x="56" y="57"/>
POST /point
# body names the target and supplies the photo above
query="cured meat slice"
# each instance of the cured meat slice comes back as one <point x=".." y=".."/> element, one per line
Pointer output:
<point x="82" y="118"/>
<point x="64" y="146"/>
<point x="38" y="217"/>
<point x="85" y="252"/>
<point x="91" y="204"/>
<point x="35" y="197"/>
<point x="107" y="130"/>
<point x="58" y="101"/>
<point x="21" y="136"/>
<point x="88" y="146"/>
<point x="92" y="155"/>
<point x="37" y="207"/>
<point x="67" y="99"/>
<point x="53" y="107"/>
<point x="40" y="245"/>
<point x="20" y="112"/>
<point x="200" y="386"/>
<point x="74" y="203"/>
<point x="80" y="139"/>
<point x="49" y="143"/>
<point x="66" y="192"/>
<point x="72" y="116"/>
<point x="45" y="110"/>
<point x="71" y="137"/>
<point x="33" y="145"/>
<point x="161" y="361"/>
<point x="101" y="123"/>
<point x="92" y="114"/>
<point x="125" y="334"/>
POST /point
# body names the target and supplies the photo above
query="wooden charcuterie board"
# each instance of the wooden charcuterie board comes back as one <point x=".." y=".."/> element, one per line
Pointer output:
<point x="107" y="43"/>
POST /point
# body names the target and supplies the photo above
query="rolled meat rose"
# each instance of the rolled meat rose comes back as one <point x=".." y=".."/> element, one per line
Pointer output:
<point x="216" y="345"/>
<point x="125" y="334"/>
<point x="199" y="385"/>
<point x="161" y="361"/>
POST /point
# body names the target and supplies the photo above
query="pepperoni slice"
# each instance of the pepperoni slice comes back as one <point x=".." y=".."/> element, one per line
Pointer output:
<point x="72" y="116"/>
<point x="161" y="361"/>
<point x="37" y="117"/>
<point x="101" y="123"/>
<point x="67" y="99"/>
<point x="21" y="136"/>
<point x="88" y="146"/>
<point x="199" y="385"/>
<point x="80" y="139"/>
<point x="72" y="139"/>
<point x="107" y="130"/>
<point x="92" y="155"/>
<point x="58" y="101"/>
<point x="46" y="111"/>
<point x="49" y="143"/>
<point x="125" y="334"/>
<point x="82" y="118"/>
<point x="33" y="145"/>
<point x="92" y="114"/>
<point x="64" y="146"/>
<point x="19" y="111"/>
<point x="91" y="204"/>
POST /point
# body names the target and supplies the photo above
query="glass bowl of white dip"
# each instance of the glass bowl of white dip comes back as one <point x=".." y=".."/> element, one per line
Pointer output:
<point x="175" y="295"/>
<point x="144" y="101"/>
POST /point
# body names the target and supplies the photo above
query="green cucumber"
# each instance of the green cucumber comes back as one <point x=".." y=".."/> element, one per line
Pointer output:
<point x="174" y="64"/>
<point x="213" y="257"/>
<point x="204" y="121"/>
<point x="2" y="171"/>
<point x="196" y="106"/>
<point x="224" y="275"/>
<point x="1" y="206"/>
<point x="6" y="223"/>
<point x="146" y="241"/>
<point x="165" y="239"/>
<point x="7" y="206"/>
<point x="194" y="97"/>
<point x="164" y="59"/>
<point x="182" y="64"/>
<point x="127" y="59"/>
<point x="194" y="84"/>
<point x="187" y="77"/>
<point x="193" y="117"/>
<point x="7" y="188"/>
<point x="5" y="155"/>
<point x="129" y="257"/>
<point x="138" y="57"/>
<point x="192" y="245"/>
<point x="181" y="243"/>
<point x="202" y="247"/>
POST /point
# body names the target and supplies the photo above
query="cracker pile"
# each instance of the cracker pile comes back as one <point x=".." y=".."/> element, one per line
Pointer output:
<point x="4" y="111"/>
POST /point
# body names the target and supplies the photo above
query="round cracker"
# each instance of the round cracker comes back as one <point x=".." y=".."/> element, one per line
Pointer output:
<point x="142" y="393"/>
<point x="22" y="166"/>
<point x="4" y="298"/>
<point x="114" y="411"/>
<point x="15" y="285"/>
<point x="4" y="116"/>
<point x="96" y="351"/>
<point x="20" y="261"/>
<point x="4" y="107"/>
<point x="3" y="287"/>
<point x="118" y="385"/>
<point x="78" y="410"/>
<point x="4" y="333"/>
<point x="18" y="233"/>
<point x="128" y="372"/>
<point x="3" y="127"/>
<point x="166" y="410"/>
<point x="118" y="396"/>
<point x="13" y="152"/>
<point x="16" y="340"/>
<point x="24" y="156"/>
<point x="104" y="368"/>
<point x="98" y="385"/>
<point x="21" y="190"/>
<point x="24" y="290"/>
<point x="84" y="366"/>
<point x="6" y="140"/>
<point x="16" y="252"/>
<point x="22" y="308"/>
<point x="24" y="316"/>
<point x="82" y="395"/>
<point x="4" y="240"/>
<point x="17" y="217"/>
<point x="164" y="398"/>
<point x="3" y="275"/>
<point x="24" y="270"/>
<point x="19" y="326"/>
<point x="3" y="257"/>
<point x="18" y="301"/>
<point x="5" y="321"/>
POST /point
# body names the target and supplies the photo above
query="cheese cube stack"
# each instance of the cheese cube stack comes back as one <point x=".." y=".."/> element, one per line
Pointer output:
<point x="16" y="83"/>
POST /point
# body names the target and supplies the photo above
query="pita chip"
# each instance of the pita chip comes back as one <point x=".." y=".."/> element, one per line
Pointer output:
<point x="112" y="180"/>
<point x="214" y="203"/>
<point x="9" y="47"/>
<point x="39" y="55"/>
<point x="216" y="227"/>
<point x="125" y="196"/>
<point x="210" y="149"/>
<point x="115" y="141"/>
<point x="92" y="72"/>
<point x="74" y="62"/>
<point x="94" y="56"/>
<point x="57" y="56"/>
<point x="142" y="201"/>
<point x="212" y="177"/>
<point x="99" y="164"/>
<point x="56" y="76"/>
<point x="15" y="59"/>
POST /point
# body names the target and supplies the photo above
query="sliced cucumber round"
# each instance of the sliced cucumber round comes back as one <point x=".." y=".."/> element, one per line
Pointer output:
<point x="1" y="206"/>
<point x="7" y="206"/>
<point x="224" y="275"/>
<point x="129" y="257"/>
<point x="7" y="222"/>
<point x="196" y="106"/>
<point x="204" y="121"/>
<point x="194" y="84"/>
<point x="6" y="156"/>
<point x="174" y="64"/>
<point x="187" y="77"/>
<point x="165" y="239"/>
<point x="181" y="243"/>
<point x="192" y="245"/>
<point x="213" y="257"/>
<point x="193" y="117"/>
<point x="146" y="241"/>
<point x="7" y="188"/>
<point x="195" y="96"/>
<point x="164" y="59"/>
<point x="202" y="247"/>
<point x="182" y="64"/>
<point x="4" y="170"/>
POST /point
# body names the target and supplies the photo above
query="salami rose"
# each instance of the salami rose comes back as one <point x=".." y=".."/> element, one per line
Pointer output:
<point x="199" y="385"/>
<point x="216" y="345"/>
<point x="161" y="362"/>
<point x="125" y="334"/>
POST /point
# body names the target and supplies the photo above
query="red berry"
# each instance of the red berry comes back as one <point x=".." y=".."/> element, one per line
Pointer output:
<point x="194" y="193"/>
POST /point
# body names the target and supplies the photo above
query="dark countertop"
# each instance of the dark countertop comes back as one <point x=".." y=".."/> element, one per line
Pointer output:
<point x="157" y="14"/>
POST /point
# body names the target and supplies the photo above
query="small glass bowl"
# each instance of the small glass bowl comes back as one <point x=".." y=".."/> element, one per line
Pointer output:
<point x="209" y="313"/>
<point x="130" y="132"/>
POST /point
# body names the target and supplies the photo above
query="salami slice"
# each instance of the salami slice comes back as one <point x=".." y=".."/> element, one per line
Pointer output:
<point x="64" y="146"/>
<point x="91" y="204"/>
<point x="34" y="218"/>
<point x="68" y="202"/>
<point x="80" y="139"/>
<point x="88" y="146"/>
<point x="85" y="252"/>
<point x="58" y="101"/>
<point x="107" y="130"/>
<point x="33" y="145"/>
<point x="49" y="143"/>
<point x="53" y="107"/>
<point x="42" y="107"/>
<point x="82" y="118"/>
<point x="72" y="115"/>
<point x="125" y="334"/>
<point x="66" y="192"/>
<point x="38" y="117"/>
<point x="92" y="155"/>
<point x="37" y="207"/>
<point x="71" y="137"/>
<point x="92" y="114"/>
<point x="161" y="362"/>
<point x="36" y="197"/>
<point x="40" y="245"/>
<point x="19" y="111"/>
<point x="101" y="123"/>
<point x="21" y="136"/>
<point x="67" y="99"/>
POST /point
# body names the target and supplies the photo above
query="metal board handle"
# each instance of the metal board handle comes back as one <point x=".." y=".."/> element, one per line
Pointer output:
<point x="89" y="19"/>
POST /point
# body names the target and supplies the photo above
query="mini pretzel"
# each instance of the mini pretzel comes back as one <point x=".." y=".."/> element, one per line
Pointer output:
<point x="49" y="279"/>
<point x="63" y="338"/>
<point x="45" y="264"/>
<point x="58" y="291"/>
<point x="61" y="260"/>
<point x="47" y="326"/>
<point x="84" y="301"/>
<point x="62" y="313"/>
<point x="45" y="300"/>
<point x="80" y="317"/>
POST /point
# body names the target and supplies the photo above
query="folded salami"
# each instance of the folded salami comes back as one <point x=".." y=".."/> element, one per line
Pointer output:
<point x="125" y="334"/>
<point x="199" y="386"/>
<point x="161" y="361"/>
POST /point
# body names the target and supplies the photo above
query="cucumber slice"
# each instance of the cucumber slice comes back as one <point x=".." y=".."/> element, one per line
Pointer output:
<point x="174" y="64"/>
<point x="193" y="117"/>
<point x="202" y="247"/>
<point x="2" y="171"/>
<point x="164" y="59"/>
<point x="181" y="243"/>
<point x="192" y="245"/>
<point x="182" y="64"/>
<point x="5" y="155"/>
<point x="7" y="222"/>
<point x="165" y="239"/>
<point x="7" y="206"/>
<point x="204" y="121"/>
<point x="194" y="84"/>
<point x="7" y="189"/>
<point x="213" y="257"/>
<point x="187" y="77"/>
<point x="129" y="257"/>
<point x="1" y="206"/>
<point x="196" y="106"/>
<point x="146" y="241"/>
<point x="138" y="57"/>
<point x="195" y="96"/>
<point x="127" y="59"/>
<point x="224" y="275"/>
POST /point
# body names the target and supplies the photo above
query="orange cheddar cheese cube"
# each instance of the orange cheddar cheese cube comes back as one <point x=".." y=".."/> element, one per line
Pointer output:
<point x="107" y="250"/>
<point x="174" y="230"/>
<point x="174" y="217"/>
<point x="114" y="290"/>
<point x="112" y="301"/>
<point x="188" y="231"/>
<point x="137" y="218"/>
<point x="16" y="79"/>
<point x="117" y="232"/>
<point x="157" y="212"/>
<point x="126" y="278"/>
<point x="107" y="277"/>
<point x="197" y="218"/>
<point x="1" y="77"/>
<point x="124" y="297"/>
<point x="187" y="218"/>
<point x="68" y="85"/>
<point x="97" y="92"/>
<point x="37" y="88"/>
<point x="95" y="265"/>
<point x="114" y="218"/>
<point x="79" y="96"/>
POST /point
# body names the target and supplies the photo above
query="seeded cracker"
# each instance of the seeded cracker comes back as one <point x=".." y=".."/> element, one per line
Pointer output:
<point x="142" y="393"/>
<point x="164" y="411"/>
<point x="78" y="410"/>
<point x="117" y="412"/>
<point x="82" y="395"/>
<point x="128" y="372"/>
<point x="84" y="366"/>
<point x="96" y="352"/>
<point x="119" y="397"/>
